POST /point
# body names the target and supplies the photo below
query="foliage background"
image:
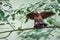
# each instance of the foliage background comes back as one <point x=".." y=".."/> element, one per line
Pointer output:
<point x="13" y="16"/>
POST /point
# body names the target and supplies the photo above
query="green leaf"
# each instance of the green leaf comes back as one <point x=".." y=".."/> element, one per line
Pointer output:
<point x="58" y="1"/>
<point x="59" y="14"/>
<point x="52" y="0"/>
<point x="50" y="20"/>
<point x="19" y="32"/>
<point x="41" y="4"/>
<point x="5" y="18"/>
<point x="13" y="16"/>
<point x="2" y="24"/>
<point x="0" y="3"/>
<point x="5" y="5"/>
<point x="19" y="28"/>
<point x="52" y="35"/>
<point x="59" y="10"/>
<point x="28" y="9"/>
<point x="55" y="6"/>
<point x="1" y="13"/>
<point x="58" y="36"/>
<point x="20" y="12"/>
<point x="5" y="0"/>
<point x="0" y="19"/>
<point x="37" y="30"/>
<point x="26" y="20"/>
<point x="8" y="4"/>
<point x="26" y="36"/>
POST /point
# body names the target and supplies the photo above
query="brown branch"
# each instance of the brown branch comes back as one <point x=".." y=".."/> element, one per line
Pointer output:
<point x="20" y="30"/>
<point x="24" y="29"/>
<point x="15" y="30"/>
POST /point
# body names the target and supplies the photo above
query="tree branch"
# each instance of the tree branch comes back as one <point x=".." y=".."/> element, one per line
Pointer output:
<point x="21" y="30"/>
<point x="24" y="29"/>
<point x="7" y="35"/>
<point x="15" y="30"/>
<point x="11" y="25"/>
<point x="49" y="34"/>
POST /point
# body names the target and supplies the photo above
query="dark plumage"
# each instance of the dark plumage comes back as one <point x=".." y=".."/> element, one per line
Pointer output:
<point x="43" y="14"/>
<point x="38" y="18"/>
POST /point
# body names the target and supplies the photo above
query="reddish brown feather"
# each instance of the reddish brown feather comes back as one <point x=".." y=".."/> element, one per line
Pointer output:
<point x="43" y="14"/>
<point x="46" y="14"/>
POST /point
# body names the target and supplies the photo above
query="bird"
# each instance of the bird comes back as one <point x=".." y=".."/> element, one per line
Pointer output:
<point x="39" y="17"/>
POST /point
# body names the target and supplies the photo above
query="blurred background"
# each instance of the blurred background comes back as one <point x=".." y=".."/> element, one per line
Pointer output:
<point x="14" y="14"/>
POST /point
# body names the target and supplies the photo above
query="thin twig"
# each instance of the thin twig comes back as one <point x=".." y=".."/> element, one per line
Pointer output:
<point x="6" y="36"/>
<point x="24" y="29"/>
<point x="11" y="25"/>
<point x="15" y="30"/>
<point x="19" y="30"/>
<point x="49" y="34"/>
